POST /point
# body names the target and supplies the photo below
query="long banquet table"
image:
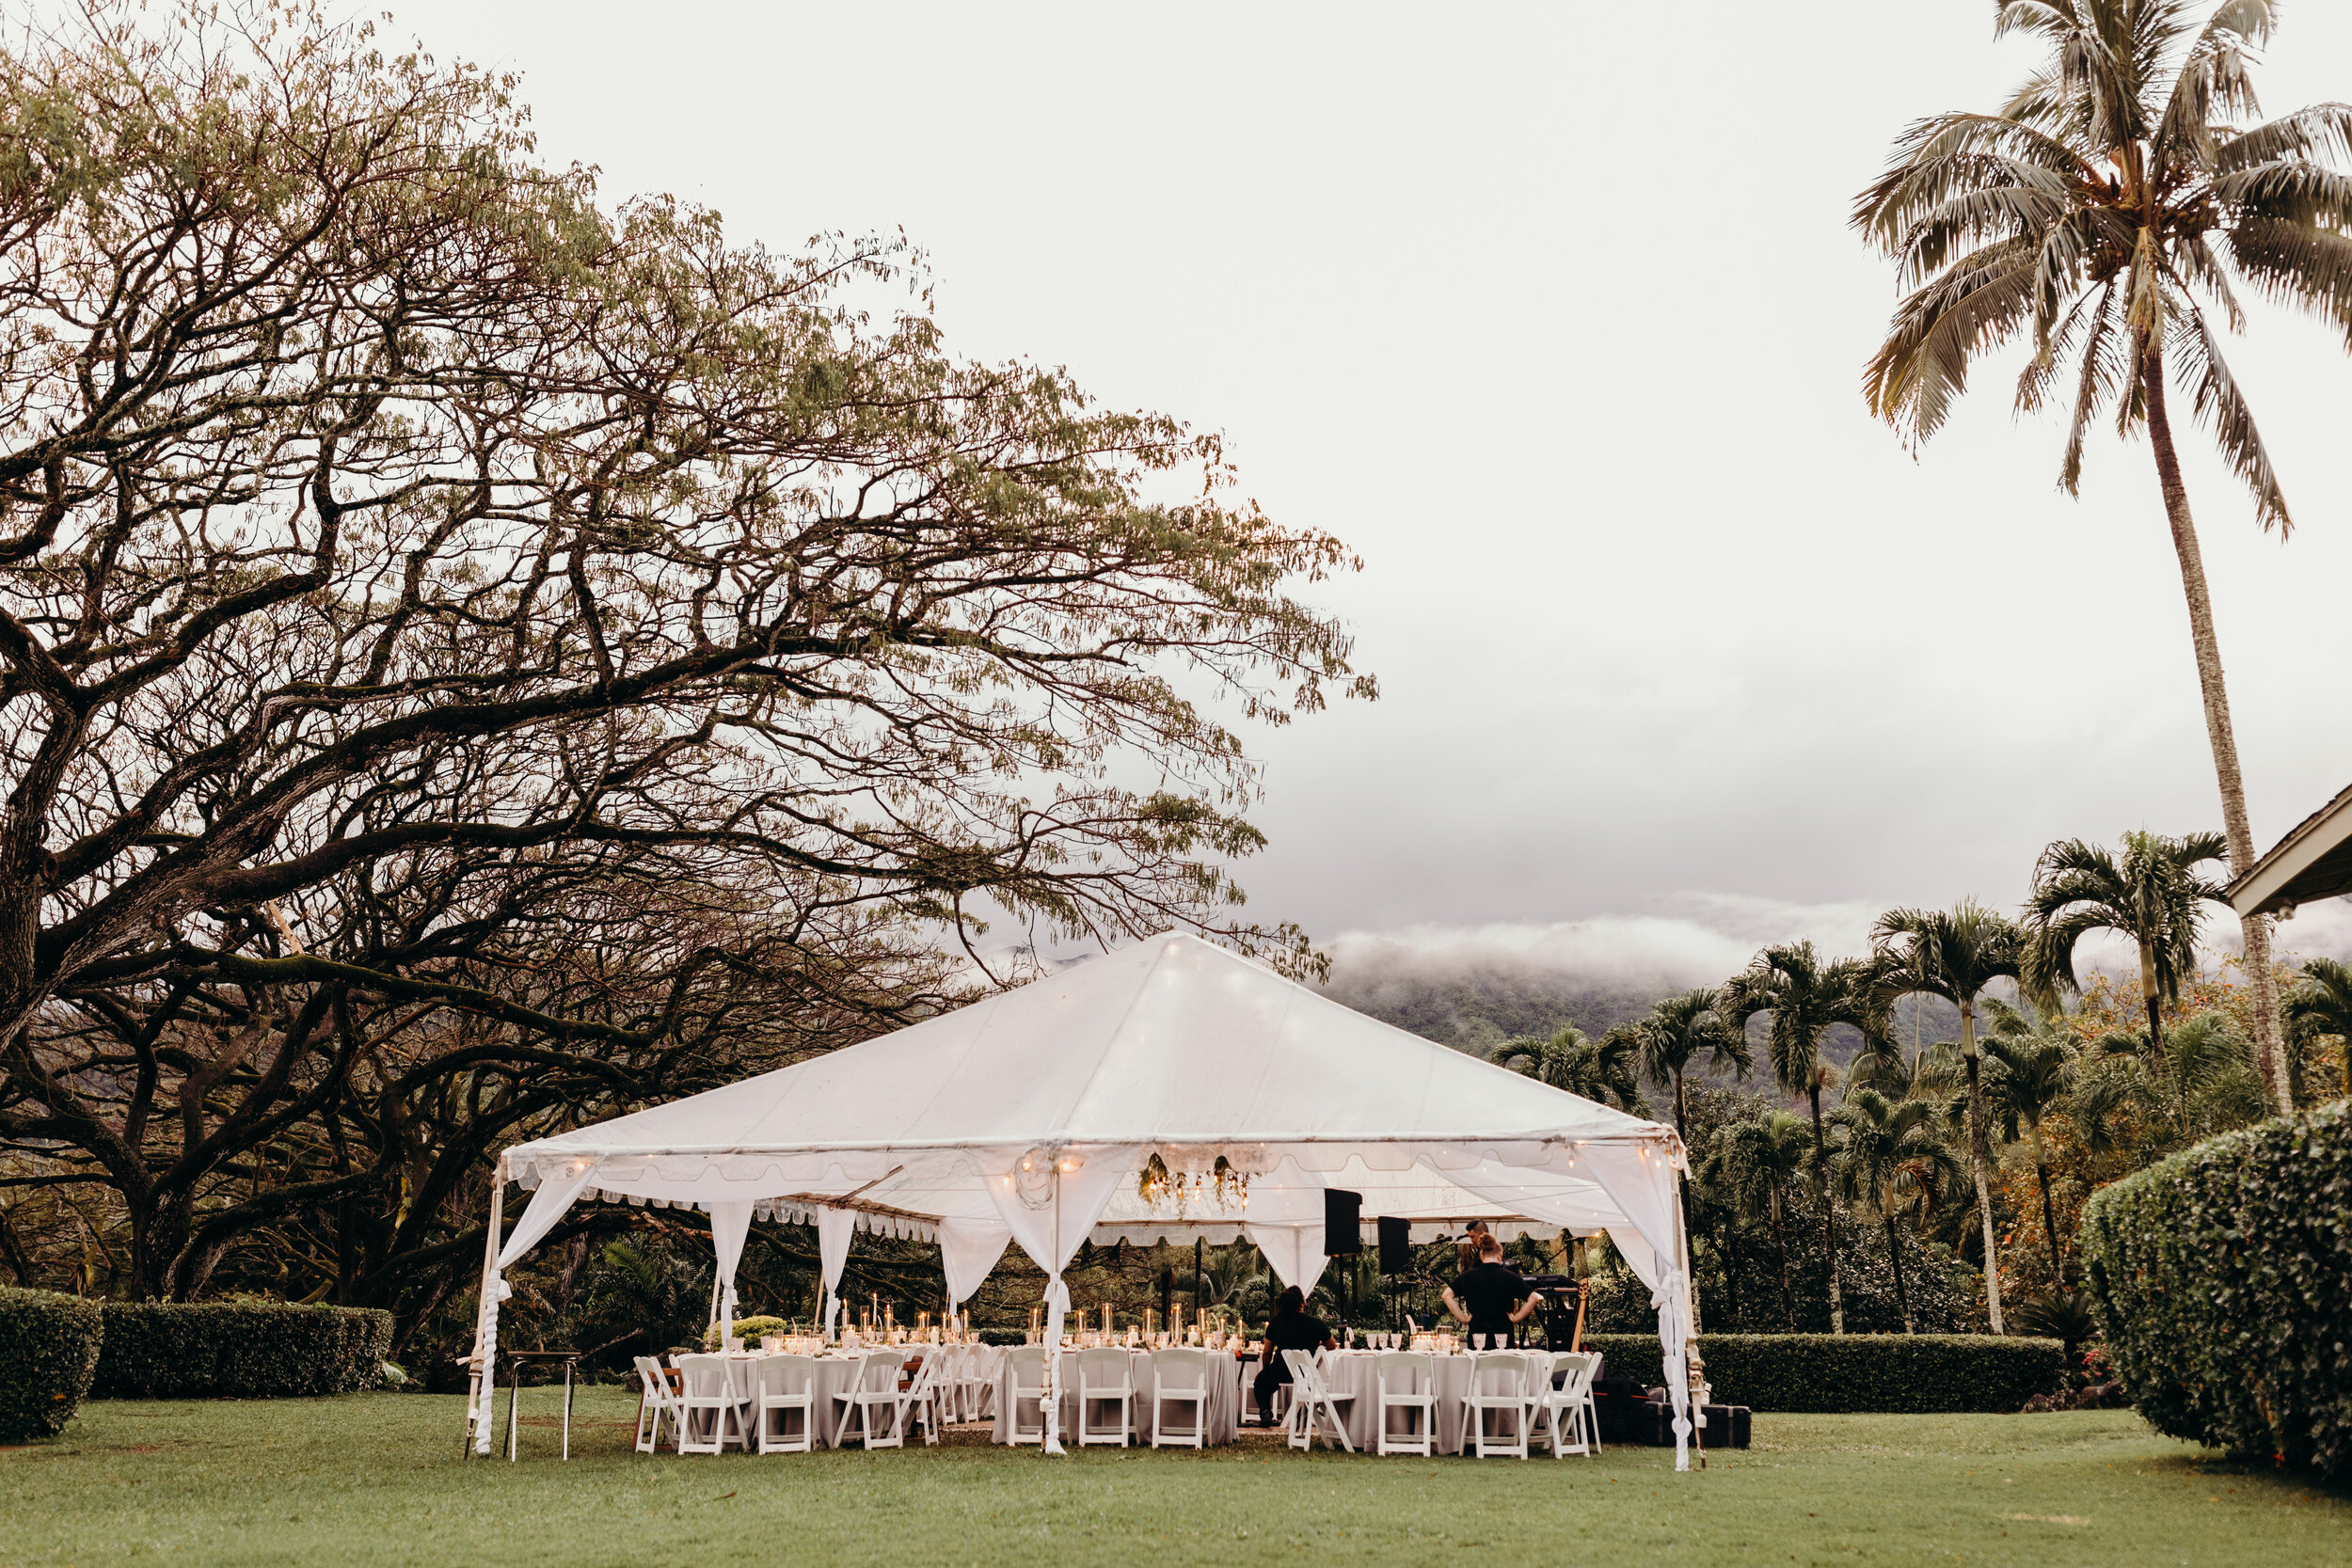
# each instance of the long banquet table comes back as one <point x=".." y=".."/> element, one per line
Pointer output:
<point x="1227" y="1374"/>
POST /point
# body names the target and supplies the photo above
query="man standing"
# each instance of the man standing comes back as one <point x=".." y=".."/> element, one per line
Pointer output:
<point x="1487" y="1297"/>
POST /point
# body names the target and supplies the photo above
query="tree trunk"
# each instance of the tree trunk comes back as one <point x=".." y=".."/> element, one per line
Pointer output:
<point x="1981" y="1156"/>
<point x="2148" y="994"/>
<point x="2270" y="1045"/>
<point x="2049" y="1216"/>
<point x="1829" y="1236"/>
<point x="1780" y="1240"/>
<point x="1895" y="1255"/>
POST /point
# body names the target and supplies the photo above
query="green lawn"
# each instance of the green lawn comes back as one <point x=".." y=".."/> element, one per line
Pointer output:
<point x="377" y="1479"/>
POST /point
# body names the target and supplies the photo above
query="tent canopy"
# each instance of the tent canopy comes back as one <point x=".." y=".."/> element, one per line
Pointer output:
<point x="1104" y="1102"/>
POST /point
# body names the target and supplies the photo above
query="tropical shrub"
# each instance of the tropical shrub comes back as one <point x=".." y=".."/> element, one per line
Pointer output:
<point x="749" y="1330"/>
<point x="1832" y="1373"/>
<point x="48" y="1352"/>
<point x="239" y="1350"/>
<point x="2223" y="1280"/>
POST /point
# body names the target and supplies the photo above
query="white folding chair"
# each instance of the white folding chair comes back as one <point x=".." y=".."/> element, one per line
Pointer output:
<point x="654" y="1404"/>
<point x="1310" y="1397"/>
<point x="924" y="1402"/>
<point x="876" y="1389"/>
<point x="1408" y="1383"/>
<point x="988" y="1364"/>
<point x="1538" y="1388"/>
<point x="785" y="1384"/>
<point x="1498" y="1389"/>
<point x="1024" y="1384"/>
<point x="710" y="1408"/>
<point x="1106" y="1377"/>
<point x="1180" y="1377"/>
<point x="1574" y="1400"/>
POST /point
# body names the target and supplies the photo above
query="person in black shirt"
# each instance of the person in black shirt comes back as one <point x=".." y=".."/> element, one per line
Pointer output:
<point x="1289" y="1329"/>
<point x="1487" y="1297"/>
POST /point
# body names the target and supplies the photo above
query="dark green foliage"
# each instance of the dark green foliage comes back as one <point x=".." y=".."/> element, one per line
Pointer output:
<point x="1003" y="1337"/>
<point x="48" y="1350"/>
<point x="1877" y="1373"/>
<point x="2222" y="1279"/>
<point x="220" y="1350"/>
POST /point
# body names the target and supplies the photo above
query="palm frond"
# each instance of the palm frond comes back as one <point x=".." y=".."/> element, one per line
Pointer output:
<point x="2320" y="130"/>
<point x="2296" y="263"/>
<point x="2213" y="82"/>
<point x="1976" y="306"/>
<point x="2221" y="408"/>
<point x="2106" y="369"/>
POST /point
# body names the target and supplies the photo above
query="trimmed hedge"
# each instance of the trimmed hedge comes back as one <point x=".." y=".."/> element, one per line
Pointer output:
<point x="48" y="1352"/>
<point x="1832" y="1373"/>
<point x="2222" y="1279"/>
<point x="223" y="1350"/>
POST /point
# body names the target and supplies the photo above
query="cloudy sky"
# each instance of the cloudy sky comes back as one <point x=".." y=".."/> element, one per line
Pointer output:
<point x="1552" y="312"/>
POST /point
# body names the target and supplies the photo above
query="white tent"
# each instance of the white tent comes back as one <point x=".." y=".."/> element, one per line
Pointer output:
<point x="1032" y="1115"/>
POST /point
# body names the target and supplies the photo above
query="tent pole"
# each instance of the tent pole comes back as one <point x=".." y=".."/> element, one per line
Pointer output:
<point x="485" y="1380"/>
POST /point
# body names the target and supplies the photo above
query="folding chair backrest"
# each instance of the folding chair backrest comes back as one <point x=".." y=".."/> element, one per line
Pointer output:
<point x="1499" y="1376"/>
<point x="1027" y="1365"/>
<point x="1580" y="1367"/>
<point x="1190" y="1369"/>
<point x="787" y="1374"/>
<point x="879" y="1374"/>
<point x="1303" y="1368"/>
<point x="1101" y="1368"/>
<point x="1401" y="1372"/>
<point x="705" y="1376"/>
<point x="649" y="1373"/>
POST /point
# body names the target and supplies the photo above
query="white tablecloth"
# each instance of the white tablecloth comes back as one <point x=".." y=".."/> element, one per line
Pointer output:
<point x="1226" y="1393"/>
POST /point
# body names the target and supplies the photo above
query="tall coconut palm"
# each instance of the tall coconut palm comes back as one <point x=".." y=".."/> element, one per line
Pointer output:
<point x="1955" y="954"/>
<point x="1807" y="998"/>
<point x="1887" y="1156"/>
<point x="1752" y="1166"/>
<point x="2102" y="213"/>
<point x="2036" y="1079"/>
<point x="1604" y="1069"/>
<point x="2152" y="895"/>
<point x="1680" y="1030"/>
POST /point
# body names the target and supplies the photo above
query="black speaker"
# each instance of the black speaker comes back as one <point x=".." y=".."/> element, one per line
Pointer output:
<point x="1342" y="1222"/>
<point x="1396" y="1245"/>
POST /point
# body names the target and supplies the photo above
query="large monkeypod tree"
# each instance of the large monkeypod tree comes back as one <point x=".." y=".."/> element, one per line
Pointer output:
<point x="470" y="660"/>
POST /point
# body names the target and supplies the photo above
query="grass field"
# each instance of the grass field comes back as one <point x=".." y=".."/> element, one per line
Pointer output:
<point x="377" y="1479"/>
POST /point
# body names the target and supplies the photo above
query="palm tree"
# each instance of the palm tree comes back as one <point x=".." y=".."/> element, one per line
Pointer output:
<point x="1806" y="999"/>
<point x="1602" y="1069"/>
<point x="1955" y="954"/>
<point x="2154" y="896"/>
<point x="2321" y="1004"/>
<point x="2036" y="1077"/>
<point x="2102" y="210"/>
<point x="1888" y="1157"/>
<point x="1677" y="1032"/>
<point x="1752" y="1164"/>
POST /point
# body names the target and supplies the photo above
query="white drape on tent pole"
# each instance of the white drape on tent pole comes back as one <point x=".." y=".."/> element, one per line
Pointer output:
<point x="731" y="1224"/>
<point x="833" y="1228"/>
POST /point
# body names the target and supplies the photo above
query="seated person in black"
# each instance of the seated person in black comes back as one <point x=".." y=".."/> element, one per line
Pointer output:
<point x="1291" y="1329"/>
<point x="1487" y="1297"/>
